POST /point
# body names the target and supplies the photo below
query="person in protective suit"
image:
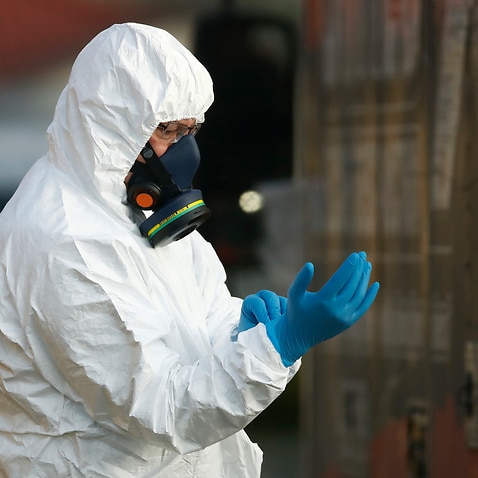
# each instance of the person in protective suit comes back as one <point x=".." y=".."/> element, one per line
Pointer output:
<point x="122" y="352"/>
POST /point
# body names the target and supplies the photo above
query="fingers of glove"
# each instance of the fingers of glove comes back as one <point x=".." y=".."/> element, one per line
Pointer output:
<point x="254" y="310"/>
<point x="352" y="286"/>
<point x="283" y="304"/>
<point x="336" y="283"/>
<point x="361" y="288"/>
<point x="272" y="303"/>
<point x="301" y="282"/>
<point x="367" y="301"/>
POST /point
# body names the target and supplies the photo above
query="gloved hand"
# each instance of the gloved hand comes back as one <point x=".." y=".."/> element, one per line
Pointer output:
<point x="312" y="317"/>
<point x="261" y="307"/>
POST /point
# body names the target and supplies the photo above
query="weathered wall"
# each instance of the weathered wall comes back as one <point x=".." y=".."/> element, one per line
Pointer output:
<point x="386" y="124"/>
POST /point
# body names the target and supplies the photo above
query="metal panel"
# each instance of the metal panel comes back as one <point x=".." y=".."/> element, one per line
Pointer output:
<point x="383" y="129"/>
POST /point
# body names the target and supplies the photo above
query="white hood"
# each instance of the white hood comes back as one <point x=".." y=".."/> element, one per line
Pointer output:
<point x="126" y="81"/>
<point x="116" y="359"/>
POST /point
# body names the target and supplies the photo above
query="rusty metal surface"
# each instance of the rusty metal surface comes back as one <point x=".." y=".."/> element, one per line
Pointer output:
<point x="386" y="125"/>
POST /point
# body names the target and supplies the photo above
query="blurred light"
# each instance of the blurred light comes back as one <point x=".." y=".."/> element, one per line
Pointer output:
<point x="250" y="201"/>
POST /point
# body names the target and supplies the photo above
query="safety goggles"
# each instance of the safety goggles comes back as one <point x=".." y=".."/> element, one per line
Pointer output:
<point x="172" y="132"/>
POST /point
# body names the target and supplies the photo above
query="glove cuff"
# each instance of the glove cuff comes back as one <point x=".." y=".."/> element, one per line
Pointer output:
<point x="272" y="334"/>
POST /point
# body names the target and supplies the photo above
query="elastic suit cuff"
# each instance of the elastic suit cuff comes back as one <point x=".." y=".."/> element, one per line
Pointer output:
<point x="257" y="341"/>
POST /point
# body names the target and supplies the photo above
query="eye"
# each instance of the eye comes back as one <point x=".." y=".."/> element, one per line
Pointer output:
<point x="172" y="132"/>
<point x="166" y="130"/>
<point x="172" y="128"/>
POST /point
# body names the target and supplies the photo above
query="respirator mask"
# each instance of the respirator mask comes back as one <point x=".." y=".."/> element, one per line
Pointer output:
<point x="164" y="185"/>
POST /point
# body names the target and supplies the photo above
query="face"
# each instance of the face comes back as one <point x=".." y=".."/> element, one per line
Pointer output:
<point x="161" y="140"/>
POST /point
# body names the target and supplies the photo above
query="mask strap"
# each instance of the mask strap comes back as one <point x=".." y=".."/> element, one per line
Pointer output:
<point x="157" y="168"/>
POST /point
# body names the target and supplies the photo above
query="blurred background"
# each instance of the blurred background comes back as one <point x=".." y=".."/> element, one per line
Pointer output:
<point x="338" y="125"/>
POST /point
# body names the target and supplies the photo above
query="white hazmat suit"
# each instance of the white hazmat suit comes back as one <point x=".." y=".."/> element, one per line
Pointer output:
<point x="116" y="358"/>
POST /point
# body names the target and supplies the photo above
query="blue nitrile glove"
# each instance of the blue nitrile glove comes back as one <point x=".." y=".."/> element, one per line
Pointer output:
<point x="312" y="317"/>
<point x="261" y="307"/>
